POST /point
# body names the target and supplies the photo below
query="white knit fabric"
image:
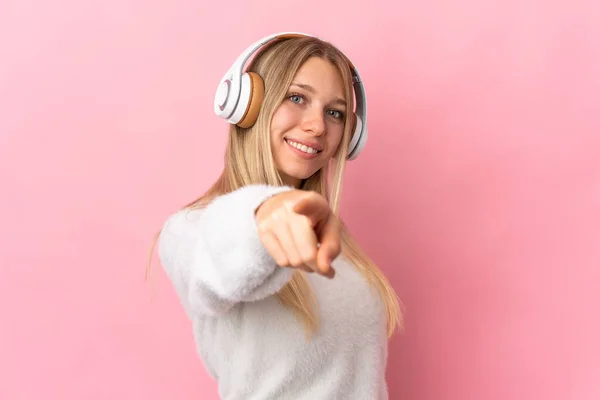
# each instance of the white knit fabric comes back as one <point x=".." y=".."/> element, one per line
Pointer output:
<point x="252" y="345"/>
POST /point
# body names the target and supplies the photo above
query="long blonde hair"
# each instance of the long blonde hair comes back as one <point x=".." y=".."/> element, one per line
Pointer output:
<point x="249" y="160"/>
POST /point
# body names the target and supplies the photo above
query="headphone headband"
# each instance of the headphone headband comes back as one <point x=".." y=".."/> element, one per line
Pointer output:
<point x="236" y="85"/>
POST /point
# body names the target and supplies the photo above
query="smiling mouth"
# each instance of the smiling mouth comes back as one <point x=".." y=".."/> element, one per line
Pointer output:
<point x="302" y="147"/>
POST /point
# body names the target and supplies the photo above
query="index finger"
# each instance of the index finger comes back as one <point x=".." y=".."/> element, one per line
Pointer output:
<point x="313" y="206"/>
<point x="330" y="248"/>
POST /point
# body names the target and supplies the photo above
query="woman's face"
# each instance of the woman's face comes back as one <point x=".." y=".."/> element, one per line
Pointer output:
<point x="307" y="127"/>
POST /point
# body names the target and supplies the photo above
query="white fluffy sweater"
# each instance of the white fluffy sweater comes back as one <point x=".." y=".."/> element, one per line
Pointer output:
<point x="252" y="345"/>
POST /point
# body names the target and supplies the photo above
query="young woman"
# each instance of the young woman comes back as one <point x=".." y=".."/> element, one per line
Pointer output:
<point x="283" y="302"/>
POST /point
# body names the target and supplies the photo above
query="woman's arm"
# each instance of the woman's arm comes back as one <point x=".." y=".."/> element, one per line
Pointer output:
<point x="214" y="256"/>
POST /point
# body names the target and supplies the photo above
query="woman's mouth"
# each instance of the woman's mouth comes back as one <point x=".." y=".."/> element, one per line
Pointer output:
<point x="306" y="151"/>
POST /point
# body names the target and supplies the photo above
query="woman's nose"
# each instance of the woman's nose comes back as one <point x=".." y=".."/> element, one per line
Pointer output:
<point x="314" y="122"/>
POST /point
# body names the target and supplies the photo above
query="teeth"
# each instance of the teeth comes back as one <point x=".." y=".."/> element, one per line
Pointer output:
<point x="302" y="147"/>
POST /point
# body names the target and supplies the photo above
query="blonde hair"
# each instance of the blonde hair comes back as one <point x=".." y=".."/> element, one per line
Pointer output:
<point x="249" y="160"/>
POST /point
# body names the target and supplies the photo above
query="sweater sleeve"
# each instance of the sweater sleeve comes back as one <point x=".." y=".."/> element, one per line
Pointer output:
<point x="214" y="257"/>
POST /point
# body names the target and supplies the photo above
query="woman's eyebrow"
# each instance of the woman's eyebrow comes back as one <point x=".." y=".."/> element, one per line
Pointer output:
<point x="311" y="89"/>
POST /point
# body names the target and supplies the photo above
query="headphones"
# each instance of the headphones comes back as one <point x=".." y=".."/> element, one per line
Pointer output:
<point x="240" y="94"/>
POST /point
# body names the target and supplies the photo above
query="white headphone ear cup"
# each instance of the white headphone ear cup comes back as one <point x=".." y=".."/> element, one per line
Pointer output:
<point x="222" y="97"/>
<point x="243" y="101"/>
<point x="358" y="139"/>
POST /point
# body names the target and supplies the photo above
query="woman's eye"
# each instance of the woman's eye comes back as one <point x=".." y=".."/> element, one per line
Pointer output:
<point x="336" y="114"/>
<point x="295" y="98"/>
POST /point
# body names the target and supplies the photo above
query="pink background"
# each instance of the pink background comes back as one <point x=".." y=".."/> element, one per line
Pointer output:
<point x="478" y="192"/>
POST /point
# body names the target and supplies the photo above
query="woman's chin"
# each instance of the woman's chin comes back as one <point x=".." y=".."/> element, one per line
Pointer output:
<point x="295" y="176"/>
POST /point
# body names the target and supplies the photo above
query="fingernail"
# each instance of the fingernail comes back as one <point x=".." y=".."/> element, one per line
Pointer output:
<point x="331" y="273"/>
